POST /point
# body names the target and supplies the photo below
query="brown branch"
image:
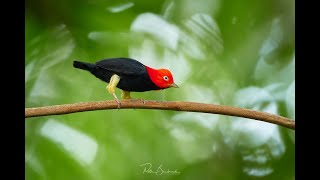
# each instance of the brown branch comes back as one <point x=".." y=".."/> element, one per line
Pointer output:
<point x="160" y="105"/>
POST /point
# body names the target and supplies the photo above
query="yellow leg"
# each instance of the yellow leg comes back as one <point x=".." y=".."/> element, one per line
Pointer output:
<point x="125" y="95"/>
<point x="112" y="87"/>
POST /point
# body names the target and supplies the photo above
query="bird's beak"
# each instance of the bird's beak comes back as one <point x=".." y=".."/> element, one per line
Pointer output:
<point x="174" y="85"/>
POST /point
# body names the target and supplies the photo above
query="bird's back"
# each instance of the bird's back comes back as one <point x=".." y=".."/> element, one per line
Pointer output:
<point x="122" y="66"/>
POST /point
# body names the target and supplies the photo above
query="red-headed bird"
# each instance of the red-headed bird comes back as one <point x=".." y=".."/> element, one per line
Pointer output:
<point x="128" y="75"/>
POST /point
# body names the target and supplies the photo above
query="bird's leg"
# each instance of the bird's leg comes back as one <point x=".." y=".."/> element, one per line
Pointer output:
<point x="112" y="87"/>
<point x="125" y="95"/>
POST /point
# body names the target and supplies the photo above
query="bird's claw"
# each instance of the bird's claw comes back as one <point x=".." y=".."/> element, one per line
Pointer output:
<point x="119" y="103"/>
<point x="117" y="100"/>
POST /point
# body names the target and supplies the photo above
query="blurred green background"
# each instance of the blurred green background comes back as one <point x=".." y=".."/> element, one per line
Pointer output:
<point x="228" y="52"/>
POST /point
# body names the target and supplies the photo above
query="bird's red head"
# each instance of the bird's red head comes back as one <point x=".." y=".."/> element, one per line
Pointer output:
<point x="161" y="78"/>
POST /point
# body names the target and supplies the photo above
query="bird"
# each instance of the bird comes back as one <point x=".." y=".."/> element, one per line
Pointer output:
<point x="129" y="75"/>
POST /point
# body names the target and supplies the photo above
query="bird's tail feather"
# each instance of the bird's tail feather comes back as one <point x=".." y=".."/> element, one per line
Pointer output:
<point x="83" y="65"/>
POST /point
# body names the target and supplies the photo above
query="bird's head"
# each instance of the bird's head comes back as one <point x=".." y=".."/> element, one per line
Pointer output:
<point x="161" y="78"/>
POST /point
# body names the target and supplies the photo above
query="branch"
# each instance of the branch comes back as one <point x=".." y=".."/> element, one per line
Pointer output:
<point x="160" y="105"/>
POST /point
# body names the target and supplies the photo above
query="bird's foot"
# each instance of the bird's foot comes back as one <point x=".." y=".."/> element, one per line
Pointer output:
<point x="119" y="103"/>
<point x="117" y="100"/>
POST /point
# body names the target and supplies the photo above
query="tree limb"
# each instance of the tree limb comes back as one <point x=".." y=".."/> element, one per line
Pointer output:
<point x="160" y="105"/>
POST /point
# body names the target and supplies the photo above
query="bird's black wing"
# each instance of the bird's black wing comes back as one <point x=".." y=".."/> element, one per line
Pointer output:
<point x="122" y="66"/>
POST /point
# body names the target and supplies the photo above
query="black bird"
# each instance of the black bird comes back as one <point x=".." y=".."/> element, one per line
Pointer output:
<point x="128" y="75"/>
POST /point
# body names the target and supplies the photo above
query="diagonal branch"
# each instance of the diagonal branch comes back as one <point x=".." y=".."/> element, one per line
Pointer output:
<point x="160" y="105"/>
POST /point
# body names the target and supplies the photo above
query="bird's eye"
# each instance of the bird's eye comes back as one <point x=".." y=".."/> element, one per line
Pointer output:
<point x="165" y="78"/>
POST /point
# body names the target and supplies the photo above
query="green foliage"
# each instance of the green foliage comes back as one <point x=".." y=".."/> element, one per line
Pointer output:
<point x="238" y="53"/>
